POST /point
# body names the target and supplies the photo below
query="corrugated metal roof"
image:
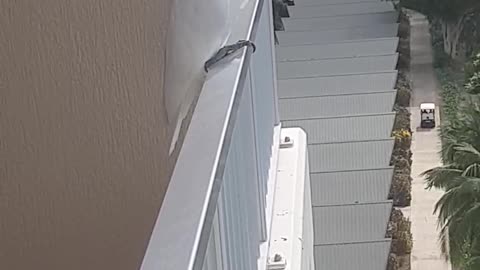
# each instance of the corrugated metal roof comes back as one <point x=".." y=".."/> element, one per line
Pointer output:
<point x="350" y="155"/>
<point x="337" y="85"/>
<point x="326" y="67"/>
<point x="349" y="128"/>
<point x="337" y="50"/>
<point x="328" y="106"/>
<point x="329" y="36"/>
<point x="371" y="255"/>
<point x="329" y="2"/>
<point x="351" y="223"/>
<point x="350" y="186"/>
<point x="339" y="22"/>
<point x="348" y="119"/>
<point x="340" y="9"/>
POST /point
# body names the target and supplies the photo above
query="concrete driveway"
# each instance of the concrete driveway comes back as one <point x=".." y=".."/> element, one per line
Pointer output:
<point x="425" y="146"/>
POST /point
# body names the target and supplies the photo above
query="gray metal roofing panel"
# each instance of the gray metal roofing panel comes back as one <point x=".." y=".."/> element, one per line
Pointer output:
<point x="333" y="35"/>
<point x="350" y="223"/>
<point x="350" y="186"/>
<point x="328" y="67"/>
<point x="337" y="50"/>
<point x="340" y="9"/>
<point x="329" y="2"/>
<point x="326" y="130"/>
<point x="329" y="106"/>
<point x="339" y="22"/>
<point x="350" y="156"/>
<point x="355" y="256"/>
<point x="337" y="85"/>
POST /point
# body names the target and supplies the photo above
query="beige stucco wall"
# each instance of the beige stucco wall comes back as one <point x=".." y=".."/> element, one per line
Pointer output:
<point x="83" y="135"/>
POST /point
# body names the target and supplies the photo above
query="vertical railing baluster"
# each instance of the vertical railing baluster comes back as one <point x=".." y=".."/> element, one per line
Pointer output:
<point x="241" y="209"/>
<point x="262" y="77"/>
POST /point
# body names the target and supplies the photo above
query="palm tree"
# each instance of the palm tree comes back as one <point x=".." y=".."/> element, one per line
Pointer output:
<point x="459" y="208"/>
<point x="465" y="128"/>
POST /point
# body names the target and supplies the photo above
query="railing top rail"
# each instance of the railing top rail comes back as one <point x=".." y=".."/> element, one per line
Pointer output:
<point x="180" y="235"/>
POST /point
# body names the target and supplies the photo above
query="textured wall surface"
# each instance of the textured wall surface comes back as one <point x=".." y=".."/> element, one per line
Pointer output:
<point x="83" y="135"/>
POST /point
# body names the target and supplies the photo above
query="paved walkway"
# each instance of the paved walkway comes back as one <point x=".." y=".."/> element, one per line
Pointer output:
<point x="426" y="145"/>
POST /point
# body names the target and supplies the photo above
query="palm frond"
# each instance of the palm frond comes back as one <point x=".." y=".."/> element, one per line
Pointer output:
<point x="466" y="153"/>
<point x="458" y="201"/>
<point x="441" y="177"/>
<point x="472" y="170"/>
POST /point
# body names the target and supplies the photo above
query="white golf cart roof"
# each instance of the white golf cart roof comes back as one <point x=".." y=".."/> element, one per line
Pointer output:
<point x="427" y="106"/>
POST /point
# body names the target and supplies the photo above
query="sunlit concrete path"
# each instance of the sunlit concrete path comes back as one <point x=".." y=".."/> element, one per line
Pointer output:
<point x="425" y="146"/>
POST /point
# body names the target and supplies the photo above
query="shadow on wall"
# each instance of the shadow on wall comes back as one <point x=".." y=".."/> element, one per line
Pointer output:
<point x="86" y="128"/>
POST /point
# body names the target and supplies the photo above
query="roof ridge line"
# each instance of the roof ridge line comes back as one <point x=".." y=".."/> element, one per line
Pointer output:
<point x="339" y="42"/>
<point x="356" y="170"/>
<point x="343" y="74"/>
<point x="342" y="15"/>
<point x="353" y="204"/>
<point x="345" y="15"/>
<point x="335" y="4"/>
<point x="341" y="57"/>
<point x="355" y="242"/>
<point x="359" y="141"/>
<point x="336" y="29"/>
<point x="346" y="94"/>
<point x="342" y="116"/>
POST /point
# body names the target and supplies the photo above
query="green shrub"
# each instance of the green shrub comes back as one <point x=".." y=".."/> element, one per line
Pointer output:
<point x="403" y="61"/>
<point x="402" y="245"/>
<point x="401" y="160"/>
<point x="403" y="48"/>
<point x="403" y="78"/>
<point x="469" y="69"/>
<point x="401" y="148"/>
<point x="404" y="171"/>
<point x="401" y="189"/>
<point x="405" y="154"/>
<point x="402" y="119"/>
<point x="451" y="96"/>
<point x="404" y="89"/>
<point x="440" y="58"/>
<point x="473" y="84"/>
<point x="403" y="139"/>
<point x="403" y="97"/>
<point x="408" y="155"/>
<point x="404" y="56"/>
<point x="393" y="262"/>
<point x="399" y="229"/>
<point x="404" y="20"/>
<point x="404" y="30"/>
<point x="473" y="81"/>
<point x="473" y="76"/>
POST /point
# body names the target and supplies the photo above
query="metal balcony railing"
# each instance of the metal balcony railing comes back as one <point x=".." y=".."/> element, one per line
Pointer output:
<point x="214" y="213"/>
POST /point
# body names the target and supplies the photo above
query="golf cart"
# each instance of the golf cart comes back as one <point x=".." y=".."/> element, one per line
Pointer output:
<point x="427" y="115"/>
